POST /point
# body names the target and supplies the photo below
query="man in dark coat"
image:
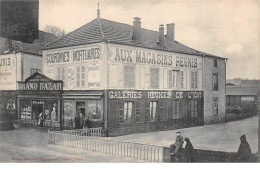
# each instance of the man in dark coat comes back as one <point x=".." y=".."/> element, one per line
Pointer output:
<point x="188" y="150"/>
<point x="244" y="150"/>
<point x="176" y="147"/>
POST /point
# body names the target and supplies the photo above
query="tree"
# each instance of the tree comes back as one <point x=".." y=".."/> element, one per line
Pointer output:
<point x="55" y="31"/>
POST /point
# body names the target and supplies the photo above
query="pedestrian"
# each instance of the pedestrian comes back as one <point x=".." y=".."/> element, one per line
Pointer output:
<point x="176" y="147"/>
<point x="244" y="150"/>
<point x="81" y="121"/>
<point x="40" y="122"/>
<point x="188" y="150"/>
<point x="86" y="125"/>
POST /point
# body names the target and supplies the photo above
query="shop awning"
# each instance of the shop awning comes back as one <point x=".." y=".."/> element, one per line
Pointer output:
<point x="82" y="96"/>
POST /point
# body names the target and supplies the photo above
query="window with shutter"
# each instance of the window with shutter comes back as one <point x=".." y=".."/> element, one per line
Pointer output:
<point x="154" y="78"/>
<point x="129" y="76"/>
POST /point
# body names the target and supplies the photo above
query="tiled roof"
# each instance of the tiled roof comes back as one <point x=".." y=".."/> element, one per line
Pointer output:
<point x="244" y="91"/>
<point x="100" y="30"/>
<point x="34" y="48"/>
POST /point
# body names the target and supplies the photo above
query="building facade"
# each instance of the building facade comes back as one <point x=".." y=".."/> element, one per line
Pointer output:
<point x="127" y="79"/>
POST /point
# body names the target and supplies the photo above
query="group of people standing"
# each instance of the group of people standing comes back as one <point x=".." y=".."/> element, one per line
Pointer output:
<point x="82" y="122"/>
<point x="185" y="149"/>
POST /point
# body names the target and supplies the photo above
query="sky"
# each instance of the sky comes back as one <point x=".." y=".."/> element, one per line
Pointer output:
<point x="225" y="28"/>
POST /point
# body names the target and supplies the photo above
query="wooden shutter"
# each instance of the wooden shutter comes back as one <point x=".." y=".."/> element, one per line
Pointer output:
<point x="132" y="77"/>
<point x="127" y="75"/>
<point x="170" y="79"/>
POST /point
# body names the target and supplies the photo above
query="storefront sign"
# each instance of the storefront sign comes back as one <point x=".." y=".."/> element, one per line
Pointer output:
<point x="94" y="75"/>
<point x="154" y="58"/>
<point x="38" y="102"/>
<point x="7" y="72"/>
<point x="40" y="86"/>
<point x="122" y="94"/>
<point x="73" y="56"/>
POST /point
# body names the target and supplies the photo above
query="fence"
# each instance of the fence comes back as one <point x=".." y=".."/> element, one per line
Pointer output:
<point x="103" y="145"/>
<point x="93" y="132"/>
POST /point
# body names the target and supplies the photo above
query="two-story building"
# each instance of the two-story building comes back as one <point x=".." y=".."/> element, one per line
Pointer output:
<point x="128" y="79"/>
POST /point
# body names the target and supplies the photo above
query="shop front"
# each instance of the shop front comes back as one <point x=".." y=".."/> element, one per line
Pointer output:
<point x="138" y="111"/>
<point x="39" y="101"/>
<point x="83" y="104"/>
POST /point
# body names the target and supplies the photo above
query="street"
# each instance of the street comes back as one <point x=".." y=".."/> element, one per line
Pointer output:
<point x="27" y="145"/>
<point x="218" y="137"/>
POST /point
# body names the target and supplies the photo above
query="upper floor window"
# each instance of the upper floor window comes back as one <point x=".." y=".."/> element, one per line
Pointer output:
<point x="215" y="82"/>
<point x="215" y="63"/>
<point x="154" y="78"/>
<point x="60" y="75"/>
<point x="172" y="79"/>
<point x="182" y="79"/>
<point x="81" y="76"/>
<point x="194" y="80"/>
<point x="215" y="106"/>
<point x="129" y="76"/>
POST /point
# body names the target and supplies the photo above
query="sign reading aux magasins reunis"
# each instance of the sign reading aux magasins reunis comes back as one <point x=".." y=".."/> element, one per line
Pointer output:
<point x="154" y="58"/>
<point x="76" y="55"/>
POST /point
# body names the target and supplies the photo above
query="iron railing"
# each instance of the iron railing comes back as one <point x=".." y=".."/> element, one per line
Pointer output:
<point x="107" y="146"/>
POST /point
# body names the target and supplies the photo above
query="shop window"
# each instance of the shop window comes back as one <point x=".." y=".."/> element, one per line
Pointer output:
<point x="153" y="111"/>
<point x="194" y="108"/>
<point x="176" y="109"/>
<point x="81" y="76"/>
<point x="137" y="112"/>
<point x="154" y="78"/>
<point x="172" y="79"/>
<point x="125" y="112"/>
<point x="61" y="75"/>
<point x="215" y="63"/>
<point x="51" y="110"/>
<point x="215" y="106"/>
<point x="25" y="109"/>
<point x="33" y="70"/>
<point x="129" y="76"/>
<point x="194" y="80"/>
<point x="94" y="111"/>
<point x="215" y="82"/>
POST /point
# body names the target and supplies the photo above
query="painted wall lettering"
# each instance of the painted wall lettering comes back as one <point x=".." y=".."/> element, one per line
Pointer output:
<point x="154" y="58"/>
<point x="70" y="56"/>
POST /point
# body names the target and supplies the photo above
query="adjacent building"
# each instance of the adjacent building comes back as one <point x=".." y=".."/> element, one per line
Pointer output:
<point x="128" y="79"/>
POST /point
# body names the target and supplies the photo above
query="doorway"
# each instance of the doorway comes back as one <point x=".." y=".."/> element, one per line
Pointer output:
<point x="37" y="114"/>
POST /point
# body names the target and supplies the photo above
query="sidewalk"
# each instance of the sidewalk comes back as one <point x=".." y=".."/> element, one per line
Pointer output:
<point x="27" y="145"/>
<point x="217" y="137"/>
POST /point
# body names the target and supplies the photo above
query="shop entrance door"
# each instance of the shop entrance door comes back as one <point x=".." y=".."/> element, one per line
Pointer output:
<point x="37" y="113"/>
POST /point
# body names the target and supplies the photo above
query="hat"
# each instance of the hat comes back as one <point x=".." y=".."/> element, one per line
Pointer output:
<point x="178" y="132"/>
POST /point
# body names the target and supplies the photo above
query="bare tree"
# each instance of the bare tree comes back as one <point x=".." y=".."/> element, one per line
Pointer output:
<point x="55" y="31"/>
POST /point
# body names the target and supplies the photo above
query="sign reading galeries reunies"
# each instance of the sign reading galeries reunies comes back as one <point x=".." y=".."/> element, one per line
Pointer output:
<point x="56" y="86"/>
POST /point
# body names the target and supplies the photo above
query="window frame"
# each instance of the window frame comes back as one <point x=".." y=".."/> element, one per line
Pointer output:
<point x="154" y="79"/>
<point x="215" y="104"/>
<point x="215" y="83"/>
<point x="215" y="63"/>
<point x="81" y="82"/>
<point x="172" y="78"/>
<point x="129" y="80"/>
<point x="194" y="79"/>
<point x="125" y="118"/>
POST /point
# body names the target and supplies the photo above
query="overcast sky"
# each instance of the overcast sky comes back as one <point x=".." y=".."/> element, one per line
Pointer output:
<point x="226" y="28"/>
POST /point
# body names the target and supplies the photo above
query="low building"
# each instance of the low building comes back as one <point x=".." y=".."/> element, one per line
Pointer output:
<point x="241" y="99"/>
<point x="128" y="79"/>
<point x="18" y="60"/>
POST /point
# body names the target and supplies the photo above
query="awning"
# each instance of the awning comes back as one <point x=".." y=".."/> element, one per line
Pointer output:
<point x="82" y="96"/>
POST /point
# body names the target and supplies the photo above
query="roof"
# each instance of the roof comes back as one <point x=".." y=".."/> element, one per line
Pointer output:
<point x="238" y="90"/>
<point x="34" y="48"/>
<point x="250" y="83"/>
<point x="102" y="30"/>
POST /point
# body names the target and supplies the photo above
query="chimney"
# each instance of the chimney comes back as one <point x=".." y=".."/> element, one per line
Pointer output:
<point x="170" y="31"/>
<point x="98" y="12"/>
<point x="161" y="35"/>
<point x="137" y="30"/>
